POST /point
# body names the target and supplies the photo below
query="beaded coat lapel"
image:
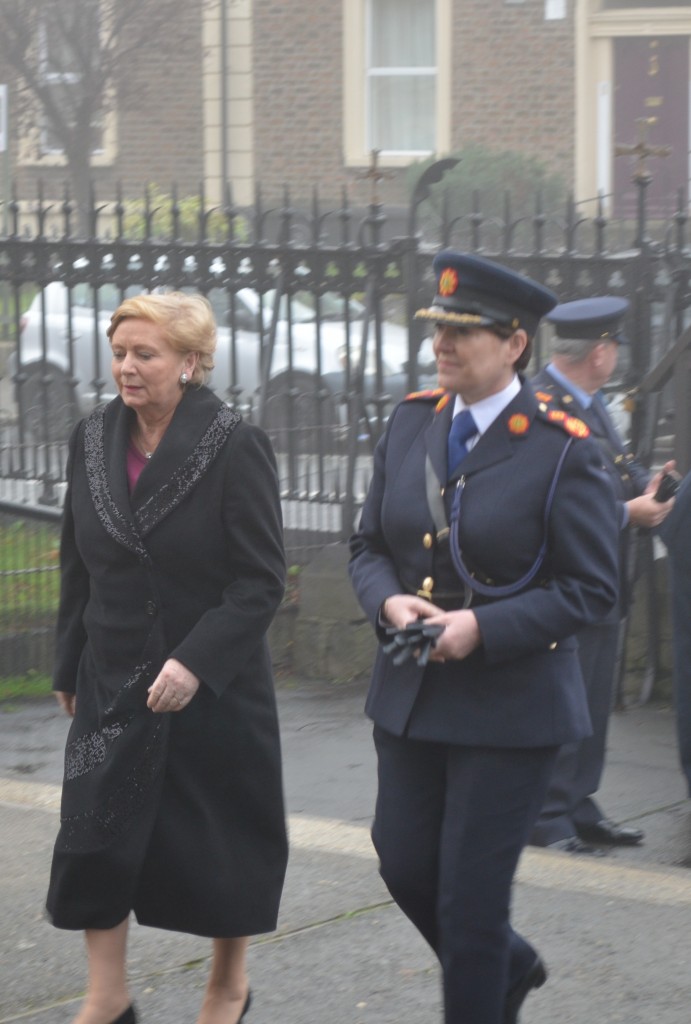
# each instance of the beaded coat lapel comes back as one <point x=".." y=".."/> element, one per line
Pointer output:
<point x="127" y="527"/>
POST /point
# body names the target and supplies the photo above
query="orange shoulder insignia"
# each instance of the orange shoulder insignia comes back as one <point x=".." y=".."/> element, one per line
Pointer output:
<point x="417" y="395"/>
<point x="577" y="427"/>
<point x="544" y="396"/>
<point x="571" y="424"/>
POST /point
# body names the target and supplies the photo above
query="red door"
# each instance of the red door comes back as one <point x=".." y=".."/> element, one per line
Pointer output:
<point x="651" y="80"/>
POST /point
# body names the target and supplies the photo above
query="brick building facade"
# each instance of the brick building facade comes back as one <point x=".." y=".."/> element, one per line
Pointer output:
<point x="157" y="137"/>
<point x="511" y="88"/>
<point x="271" y="93"/>
<point x="542" y="78"/>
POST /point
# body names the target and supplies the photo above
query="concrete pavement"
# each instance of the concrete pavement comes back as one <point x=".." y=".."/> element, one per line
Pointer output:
<point x="614" y="931"/>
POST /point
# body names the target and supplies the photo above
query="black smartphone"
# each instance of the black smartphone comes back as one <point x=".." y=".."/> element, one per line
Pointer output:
<point x="669" y="485"/>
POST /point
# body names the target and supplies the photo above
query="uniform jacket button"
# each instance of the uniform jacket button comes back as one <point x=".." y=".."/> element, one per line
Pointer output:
<point x="427" y="541"/>
<point x="151" y="608"/>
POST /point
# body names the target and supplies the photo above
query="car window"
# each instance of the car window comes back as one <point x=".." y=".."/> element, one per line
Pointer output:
<point x="109" y="297"/>
<point x="332" y="306"/>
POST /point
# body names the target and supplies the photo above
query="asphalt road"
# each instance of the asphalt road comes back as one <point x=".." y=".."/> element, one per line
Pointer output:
<point x="614" y="931"/>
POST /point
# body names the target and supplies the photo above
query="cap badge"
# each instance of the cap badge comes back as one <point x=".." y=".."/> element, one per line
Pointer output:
<point x="448" y="282"/>
<point x="518" y="423"/>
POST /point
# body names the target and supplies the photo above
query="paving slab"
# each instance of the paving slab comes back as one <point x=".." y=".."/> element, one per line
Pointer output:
<point x="614" y="931"/>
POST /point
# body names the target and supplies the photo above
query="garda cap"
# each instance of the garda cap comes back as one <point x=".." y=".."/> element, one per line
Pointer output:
<point x="595" y="319"/>
<point x="476" y="292"/>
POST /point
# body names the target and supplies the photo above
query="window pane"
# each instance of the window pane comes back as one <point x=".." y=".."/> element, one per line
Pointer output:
<point x="402" y="112"/>
<point x="65" y="95"/>
<point x="402" y="33"/>
<point x="70" y="34"/>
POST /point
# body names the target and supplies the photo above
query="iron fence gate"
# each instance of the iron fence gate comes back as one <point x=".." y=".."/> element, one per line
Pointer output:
<point x="317" y="339"/>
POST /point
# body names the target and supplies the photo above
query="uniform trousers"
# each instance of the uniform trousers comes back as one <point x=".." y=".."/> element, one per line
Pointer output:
<point x="449" y="827"/>
<point x="569" y="804"/>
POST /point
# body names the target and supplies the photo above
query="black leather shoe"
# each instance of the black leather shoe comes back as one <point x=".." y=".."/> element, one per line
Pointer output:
<point x="534" y="977"/>
<point x="575" y="845"/>
<point x="611" y="834"/>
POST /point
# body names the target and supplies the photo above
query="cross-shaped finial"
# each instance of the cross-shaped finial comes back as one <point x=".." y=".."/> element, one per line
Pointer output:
<point x="375" y="174"/>
<point x="641" y="149"/>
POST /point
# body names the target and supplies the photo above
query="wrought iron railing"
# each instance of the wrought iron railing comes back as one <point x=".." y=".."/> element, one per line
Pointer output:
<point x="316" y="334"/>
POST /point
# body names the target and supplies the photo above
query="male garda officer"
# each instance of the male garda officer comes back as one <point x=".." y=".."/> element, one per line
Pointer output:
<point x="588" y="335"/>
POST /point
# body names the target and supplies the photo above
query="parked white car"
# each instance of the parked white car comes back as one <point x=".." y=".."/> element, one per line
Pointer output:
<point x="308" y="361"/>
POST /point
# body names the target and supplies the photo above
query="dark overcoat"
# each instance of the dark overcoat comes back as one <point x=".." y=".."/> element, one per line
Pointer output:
<point x="676" y="533"/>
<point x="523" y="686"/>
<point x="178" y="817"/>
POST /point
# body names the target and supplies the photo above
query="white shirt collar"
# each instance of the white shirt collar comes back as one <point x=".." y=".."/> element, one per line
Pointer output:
<point x="582" y="397"/>
<point x="487" y="409"/>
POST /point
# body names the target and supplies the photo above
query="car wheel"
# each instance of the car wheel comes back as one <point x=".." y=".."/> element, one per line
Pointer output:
<point x="47" y="404"/>
<point x="300" y="414"/>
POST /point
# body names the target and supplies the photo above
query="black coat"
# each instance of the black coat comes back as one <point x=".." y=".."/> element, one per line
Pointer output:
<point x="676" y="533"/>
<point x="178" y="817"/>
<point x="523" y="686"/>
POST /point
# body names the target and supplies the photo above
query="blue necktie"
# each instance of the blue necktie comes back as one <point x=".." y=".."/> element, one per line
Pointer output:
<point x="463" y="428"/>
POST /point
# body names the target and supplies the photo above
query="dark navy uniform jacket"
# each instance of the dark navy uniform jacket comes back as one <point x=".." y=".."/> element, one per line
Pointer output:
<point x="523" y="686"/>
<point x="629" y="476"/>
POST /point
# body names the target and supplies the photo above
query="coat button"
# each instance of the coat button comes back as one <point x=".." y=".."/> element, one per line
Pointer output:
<point x="151" y="608"/>
<point x="428" y="583"/>
<point x="427" y="541"/>
<point x="553" y="646"/>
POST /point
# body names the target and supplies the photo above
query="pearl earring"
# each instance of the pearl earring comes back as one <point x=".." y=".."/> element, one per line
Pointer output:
<point x="183" y="379"/>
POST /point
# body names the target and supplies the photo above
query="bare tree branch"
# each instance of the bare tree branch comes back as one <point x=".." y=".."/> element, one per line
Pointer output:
<point x="74" y="59"/>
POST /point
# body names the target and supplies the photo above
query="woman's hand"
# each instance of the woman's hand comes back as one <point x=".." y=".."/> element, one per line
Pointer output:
<point x="460" y="637"/>
<point x="67" y="701"/>
<point x="402" y="609"/>
<point x="173" y="688"/>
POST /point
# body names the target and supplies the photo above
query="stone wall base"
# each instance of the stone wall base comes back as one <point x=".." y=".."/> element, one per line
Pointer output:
<point x="331" y="640"/>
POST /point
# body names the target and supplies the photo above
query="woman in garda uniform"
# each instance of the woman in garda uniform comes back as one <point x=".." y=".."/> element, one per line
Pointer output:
<point x="509" y="543"/>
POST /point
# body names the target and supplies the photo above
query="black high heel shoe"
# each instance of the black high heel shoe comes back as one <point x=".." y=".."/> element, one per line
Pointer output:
<point x="248" y="1003"/>
<point x="127" y="1016"/>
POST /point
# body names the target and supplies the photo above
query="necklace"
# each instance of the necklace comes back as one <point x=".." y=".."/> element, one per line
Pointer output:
<point x="138" y="441"/>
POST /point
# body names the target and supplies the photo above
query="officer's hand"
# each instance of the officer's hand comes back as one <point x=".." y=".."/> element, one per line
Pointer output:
<point x="644" y="510"/>
<point x="460" y="637"/>
<point x="173" y="688"/>
<point x="402" y="609"/>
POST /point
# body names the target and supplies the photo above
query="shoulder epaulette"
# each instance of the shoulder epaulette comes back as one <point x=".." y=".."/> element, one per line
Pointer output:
<point x="570" y="424"/>
<point x="440" y="395"/>
<point x="416" y="396"/>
